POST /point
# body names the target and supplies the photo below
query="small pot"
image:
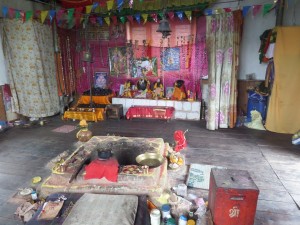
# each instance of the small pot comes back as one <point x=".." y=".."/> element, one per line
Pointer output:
<point x="84" y="135"/>
<point x="104" y="154"/>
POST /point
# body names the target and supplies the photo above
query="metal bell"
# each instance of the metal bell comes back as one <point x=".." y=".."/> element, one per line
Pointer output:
<point x="164" y="28"/>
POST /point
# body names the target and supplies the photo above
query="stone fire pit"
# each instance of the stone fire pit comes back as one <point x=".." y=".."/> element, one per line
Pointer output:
<point x="125" y="150"/>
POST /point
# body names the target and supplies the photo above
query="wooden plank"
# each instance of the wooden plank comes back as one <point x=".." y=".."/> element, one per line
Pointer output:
<point x="282" y="208"/>
<point x="267" y="218"/>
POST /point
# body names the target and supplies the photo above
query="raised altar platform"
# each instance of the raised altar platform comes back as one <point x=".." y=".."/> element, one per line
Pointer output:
<point x="184" y="110"/>
<point x="131" y="179"/>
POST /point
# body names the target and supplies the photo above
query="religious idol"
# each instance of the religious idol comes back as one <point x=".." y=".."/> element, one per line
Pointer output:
<point x="179" y="91"/>
<point x="190" y="96"/>
<point x="143" y="86"/>
<point x="127" y="90"/>
<point x="158" y="89"/>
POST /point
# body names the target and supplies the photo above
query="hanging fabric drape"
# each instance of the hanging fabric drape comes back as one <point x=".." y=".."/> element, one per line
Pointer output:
<point x="237" y="35"/>
<point x="200" y="63"/>
<point x="3" y="70"/>
<point x="222" y="44"/>
<point x="65" y="59"/>
<point x="284" y="110"/>
<point x="31" y="68"/>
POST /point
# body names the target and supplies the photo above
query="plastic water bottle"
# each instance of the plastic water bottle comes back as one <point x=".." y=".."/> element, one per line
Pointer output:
<point x="34" y="195"/>
<point x="182" y="220"/>
<point x="166" y="211"/>
<point x="155" y="217"/>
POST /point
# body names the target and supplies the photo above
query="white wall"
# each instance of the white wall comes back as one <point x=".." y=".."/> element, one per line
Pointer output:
<point x="253" y="28"/>
<point x="249" y="56"/>
<point x="292" y="14"/>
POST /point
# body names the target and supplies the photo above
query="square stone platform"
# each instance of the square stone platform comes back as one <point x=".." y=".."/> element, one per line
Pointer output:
<point x="125" y="150"/>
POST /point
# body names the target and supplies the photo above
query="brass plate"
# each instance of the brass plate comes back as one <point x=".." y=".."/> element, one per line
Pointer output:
<point x="150" y="159"/>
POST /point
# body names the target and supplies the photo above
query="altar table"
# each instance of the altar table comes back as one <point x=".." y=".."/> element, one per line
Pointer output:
<point x="184" y="110"/>
<point x="156" y="112"/>
<point x="95" y="115"/>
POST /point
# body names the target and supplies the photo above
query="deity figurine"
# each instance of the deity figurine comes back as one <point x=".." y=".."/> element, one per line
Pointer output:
<point x="143" y="86"/>
<point x="127" y="90"/>
<point x="158" y="89"/>
<point x="179" y="91"/>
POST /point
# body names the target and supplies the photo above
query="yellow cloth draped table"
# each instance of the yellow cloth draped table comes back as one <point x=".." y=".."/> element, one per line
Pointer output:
<point x="95" y="115"/>
<point x="89" y="114"/>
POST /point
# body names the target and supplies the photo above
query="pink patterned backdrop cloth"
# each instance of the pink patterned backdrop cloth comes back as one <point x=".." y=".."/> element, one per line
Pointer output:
<point x="191" y="72"/>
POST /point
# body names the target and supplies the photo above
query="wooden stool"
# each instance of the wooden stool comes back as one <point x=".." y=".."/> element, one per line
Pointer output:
<point x="114" y="111"/>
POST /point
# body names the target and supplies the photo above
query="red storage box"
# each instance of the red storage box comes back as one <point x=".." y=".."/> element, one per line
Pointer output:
<point x="232" y="197"/>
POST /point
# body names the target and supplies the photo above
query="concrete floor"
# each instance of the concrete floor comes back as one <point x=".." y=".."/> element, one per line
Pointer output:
<point x="271" y="159"/>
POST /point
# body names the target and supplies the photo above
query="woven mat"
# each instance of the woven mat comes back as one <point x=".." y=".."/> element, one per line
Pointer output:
<point x="65" y="129"/>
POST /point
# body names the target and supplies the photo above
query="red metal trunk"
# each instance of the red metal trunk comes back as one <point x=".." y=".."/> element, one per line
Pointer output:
<point x="232" y="197"/>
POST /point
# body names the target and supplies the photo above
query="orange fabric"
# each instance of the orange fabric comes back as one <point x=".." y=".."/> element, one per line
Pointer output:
<point x="284" y="110"/>
<point x="178" y="94"/>
<point x="96" y="99"/>
<point x="88" y="116"/>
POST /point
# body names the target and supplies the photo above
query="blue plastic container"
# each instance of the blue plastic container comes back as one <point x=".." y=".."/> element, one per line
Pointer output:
<point x="257" y="102"/>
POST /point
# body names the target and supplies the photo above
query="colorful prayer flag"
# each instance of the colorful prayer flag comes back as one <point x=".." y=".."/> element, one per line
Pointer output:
<point x="43" y="15"/>
<point x="100" y="21"/>
<point x="110" y="5"/>
<point x="188" y="15"/>
<point x="28" y="15"/>
<point x="256" y="9"/>
<point x="88" y="9"/>
<point x="130" y="18"/>
<point x="52" y="15"/>
<point x="138" y="18"/>
<point x="145" y="17"/>
<point x="70" y="14"/>
<point x="246" y="10"/>
<point x="107" y="20"/>
<point x="171" y="15"/>
<point x="4" y="11"/>
<point x="267" y="8"/>
<point x="123" y="19"/>
<point x="179" y="14"/>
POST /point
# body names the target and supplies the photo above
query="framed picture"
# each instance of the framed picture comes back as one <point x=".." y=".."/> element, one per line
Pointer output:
<point x="169" y="92"/>
<point x="171" y="59"/>
<point x="100" y="80"/>
<point x="117" y="61"/>
<point x="121" y="90"/>
<point x="144" y="67"/>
